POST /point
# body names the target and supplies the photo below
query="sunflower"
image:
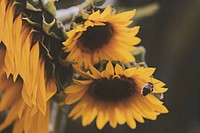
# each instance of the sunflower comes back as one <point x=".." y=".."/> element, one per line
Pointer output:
<point x="114" y="96"/>
<point x="102" y="36"/>
<point x="25" y="87"/>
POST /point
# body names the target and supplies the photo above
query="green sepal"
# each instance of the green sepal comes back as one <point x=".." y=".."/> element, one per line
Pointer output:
<point x="49" y="6"/>
<point x="31" y="6"/>
<point x="139" y="54"/>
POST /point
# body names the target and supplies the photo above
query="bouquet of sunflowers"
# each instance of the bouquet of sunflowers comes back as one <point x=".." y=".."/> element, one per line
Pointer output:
<point x="84" y="59"/>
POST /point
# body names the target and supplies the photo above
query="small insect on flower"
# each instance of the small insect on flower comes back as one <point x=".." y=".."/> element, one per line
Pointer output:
<point x="147" y="88"/>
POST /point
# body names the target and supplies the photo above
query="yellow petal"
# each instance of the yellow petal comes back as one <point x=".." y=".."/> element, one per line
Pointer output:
<point x="118" y="70"/>
<point x="89" y="23"/>
<point x="93" y="114"/>
<point x="10" y="96"/>
<point x="112" y="116"/>
<point x="11" y="116"/>
<point x="41" y="95"/>
<point x="80" y="72"/>
<point x="95" y="16"/>
<point x="125" y="15"/>
<point x="18" y="126"/>
<point x="95" y="72"/>
<point x="134" y="31"/>
<point x="109" y="70"/>
<point x="159" y="90"/>
<point x="72" y="98"/>
<point x="130" y="72"/>
<point x="51" y="89"/>
<point x="156" y="107"/>
<point x="73" y="89"/>
<point x="120" y="116"/>
<point x="106" y="12"/>
<point x="129" y="119"/>
<point x="101" y="120"/>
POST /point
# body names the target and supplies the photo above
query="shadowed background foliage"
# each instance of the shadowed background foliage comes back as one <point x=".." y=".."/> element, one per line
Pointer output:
<point x="172" y="40"/>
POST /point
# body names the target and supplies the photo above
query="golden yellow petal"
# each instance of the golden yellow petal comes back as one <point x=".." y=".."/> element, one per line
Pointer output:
<point x="125" y="15"/>
<point x="109" y="70"/>
<point x="11" y="116"/>
<point x="8" y="25"/>
<point x="34" y="110"/>
<point x="81" y="73"/>
<point x="93" y="113"/>
<point x="89" y="23"/>
<point x="26" y="55"/>
<point x="33" y="65"/>
<point x="136" y="40"/>
<point x="5" y="83"/>
<point x="159" y="90"/>
<point x="148" y="71"/>
<point x="44" y="121"/>
<point x="96" y="23"/>
<point x="76" y="109"/>
<point x="26" y="97"/>
<point x="77" y="35"/>
<point x="95" y="72"/>
<point x="147" y="112"/>
<point x="78" y="114"/>
<point x="71" y="33"/>
<point x="101" y="120"/>
<point x="3" y="4"/>
<point x="17" y="47"/>
<point x="51" y="89"/>
<point x="10" y="96"/>
<point x="118" y="70"/>
<point x="120" y="116"/>
<point x="129" y="72"/>
<point x="82" y="82"/>
<point x="41" y="93"/>
<point x="18" y="126"/>
<point x="74" y="55"/>
<point x="157" y="83"/>
<point x="72" y="98"/>
<point x="95" y="16"/>
<point x="112" y="116"/>
<point x="105" y="13"/>
<point x="73" y="89"/>
<point x="21" y="107"/>
<point x="156" y="107"/>
<point x="89" y="114"/>
<point x="134" y="111"/>
<point x="129" y="119"/>
<point x="136" y="115"/>
<point x="134" y="31"/>
<point x="153" y="99"/>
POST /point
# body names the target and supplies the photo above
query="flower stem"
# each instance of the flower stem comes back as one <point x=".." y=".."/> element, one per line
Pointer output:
<point x="67" y="14"/>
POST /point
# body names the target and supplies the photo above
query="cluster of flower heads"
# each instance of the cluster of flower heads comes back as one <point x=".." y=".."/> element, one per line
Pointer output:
<point x="98" y="46"/>
<point x="113" y="92"/>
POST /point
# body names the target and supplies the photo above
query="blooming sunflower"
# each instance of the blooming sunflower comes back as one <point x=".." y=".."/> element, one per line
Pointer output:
<point x="114" y="96"/>
<point x="25" y="87"/>
<point x="102" y="36"/>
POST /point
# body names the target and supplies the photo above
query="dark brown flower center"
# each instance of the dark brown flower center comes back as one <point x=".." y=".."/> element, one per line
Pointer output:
<point x="112" y="89"/>
<point x="95" y="37"/>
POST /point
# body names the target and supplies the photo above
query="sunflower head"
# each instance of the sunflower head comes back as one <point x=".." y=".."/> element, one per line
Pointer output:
<point x="114" y="95"/>
<point x="27" y="81"/>
<point x="102" y="35"/>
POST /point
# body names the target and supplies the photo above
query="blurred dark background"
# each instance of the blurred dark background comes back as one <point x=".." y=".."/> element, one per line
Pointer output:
<point x="172" y="40"/>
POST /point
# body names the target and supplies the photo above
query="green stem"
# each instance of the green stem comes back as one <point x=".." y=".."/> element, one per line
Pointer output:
<point x="68" y="14"/>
